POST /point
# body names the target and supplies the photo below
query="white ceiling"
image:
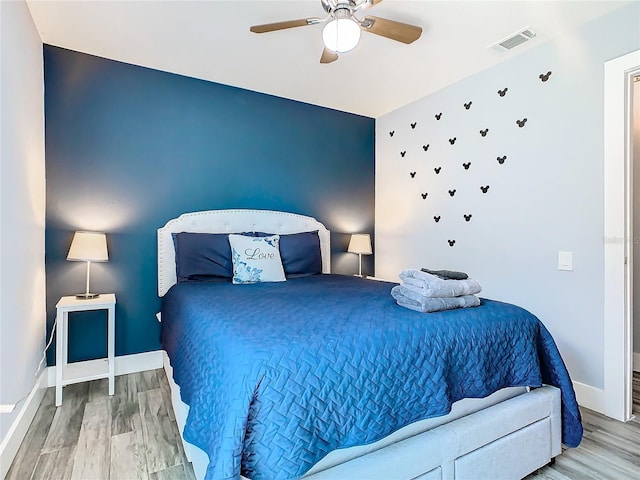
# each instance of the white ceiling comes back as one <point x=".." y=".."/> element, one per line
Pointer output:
<point x="211" y="40"/>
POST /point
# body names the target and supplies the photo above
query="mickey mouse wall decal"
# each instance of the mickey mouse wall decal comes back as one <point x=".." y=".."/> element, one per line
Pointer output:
<point x="503" y="92"/>
<point x="436" y="219"/>
<point x="413" y="174"/>
<point x="466" y="165"/>
<point x="467" y="217"/>
<point x="452" y="192"/>
<point x="438" y="116"/>
<point x="424" y="195"/>
<point x="467" y="106"/>
<point x="484" y="132"/>
<point x="437" y="170"/>
<point x="425" y="147"/>
<point x="402" y="154"/>
<point x="413" y="125"/>
<point x="391" y="133"/>
<point x="545" y="76"/>
<point x="451" y="242"/>
<point x="501" y="159"/>
<point x="453" y="140"/>
<point x="521" y="122"/>
<point x="485" y="189"/>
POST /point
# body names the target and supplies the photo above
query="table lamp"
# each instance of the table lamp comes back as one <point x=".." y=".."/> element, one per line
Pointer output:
<point x="360" y="243"/>
<point x="88" y="247"/>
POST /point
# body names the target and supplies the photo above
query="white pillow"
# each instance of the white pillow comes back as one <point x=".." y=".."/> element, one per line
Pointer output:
<point x="256" y="259"/>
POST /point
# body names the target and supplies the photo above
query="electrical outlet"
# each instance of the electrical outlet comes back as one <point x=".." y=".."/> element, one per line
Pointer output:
<point x="7" y="408"/>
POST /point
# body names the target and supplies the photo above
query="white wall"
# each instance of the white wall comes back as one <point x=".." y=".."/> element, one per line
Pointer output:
<point x="22" y="207"/>
<point x="546" y="197"/>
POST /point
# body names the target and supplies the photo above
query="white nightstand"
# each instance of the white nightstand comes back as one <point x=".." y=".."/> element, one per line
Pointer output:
<point x="68" y="373"/>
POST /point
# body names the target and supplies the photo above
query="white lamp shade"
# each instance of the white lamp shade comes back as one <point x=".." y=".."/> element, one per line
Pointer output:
<point x="360" y="243"/>
<point x="88" y="246"/>
<point x="341" y="35"/>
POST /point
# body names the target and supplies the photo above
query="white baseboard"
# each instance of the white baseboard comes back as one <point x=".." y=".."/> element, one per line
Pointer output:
<point x="123" y="365"/>
<point x="636" y="362"/>
<point x="11" y="442"/>
<point x="590" y="397"/>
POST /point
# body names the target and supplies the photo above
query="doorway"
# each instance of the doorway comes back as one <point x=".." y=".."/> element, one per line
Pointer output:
<point x="618" y="236"/>
<point x="635" y="161"/>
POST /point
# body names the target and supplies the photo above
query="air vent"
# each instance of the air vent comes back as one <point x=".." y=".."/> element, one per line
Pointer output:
<point x="513" y="40"/>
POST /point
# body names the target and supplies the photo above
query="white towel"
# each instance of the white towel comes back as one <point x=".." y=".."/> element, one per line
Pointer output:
<point x="432" y="286"/>
<point x="409" y="299"/>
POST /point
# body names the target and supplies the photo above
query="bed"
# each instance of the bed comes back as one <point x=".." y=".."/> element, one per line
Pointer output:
<point x="323" y="377"/>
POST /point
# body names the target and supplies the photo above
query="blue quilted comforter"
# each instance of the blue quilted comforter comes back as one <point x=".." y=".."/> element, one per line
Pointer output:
<point x="277" y="375"/>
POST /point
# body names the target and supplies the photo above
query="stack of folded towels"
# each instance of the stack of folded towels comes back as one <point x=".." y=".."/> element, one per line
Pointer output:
<point x="428" y="291"/>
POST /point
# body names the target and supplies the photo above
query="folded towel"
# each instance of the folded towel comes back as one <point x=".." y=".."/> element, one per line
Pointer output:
<point x="405" y="291"/>
<point x="432" y="286"/>
<point x="447" y="274"/>
<point x="423" y="304"/>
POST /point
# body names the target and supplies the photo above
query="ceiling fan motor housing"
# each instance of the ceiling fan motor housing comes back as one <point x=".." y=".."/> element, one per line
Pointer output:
<point x="342" y="12"/>
<point x="332" y="7"/>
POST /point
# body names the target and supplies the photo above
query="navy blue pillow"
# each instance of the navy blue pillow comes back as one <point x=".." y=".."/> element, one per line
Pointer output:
<point x="207" y="256"/>
<point x="300" y="252"/>
<point x="202" y="255"/>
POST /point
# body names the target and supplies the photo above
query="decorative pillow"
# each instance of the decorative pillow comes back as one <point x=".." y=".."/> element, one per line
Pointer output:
<point x="256" y="259"/>
<point x="202" y="256"/>
<point x="300" y="252"/>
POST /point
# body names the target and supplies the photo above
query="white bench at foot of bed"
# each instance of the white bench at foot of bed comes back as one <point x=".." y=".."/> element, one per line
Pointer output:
<point x="507" y="440"/>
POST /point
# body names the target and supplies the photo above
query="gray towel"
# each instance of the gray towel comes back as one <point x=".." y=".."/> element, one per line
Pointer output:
<point x="447" y="274"/>
<point x="408" y="299"/>
<point x="431" y="286"/>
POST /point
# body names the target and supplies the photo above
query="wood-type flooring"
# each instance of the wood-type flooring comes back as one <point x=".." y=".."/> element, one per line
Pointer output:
<point x="134" y="436"/>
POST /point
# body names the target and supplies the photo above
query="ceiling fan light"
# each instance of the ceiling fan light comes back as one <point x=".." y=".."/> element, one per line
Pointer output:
<point x="341" y="35"/>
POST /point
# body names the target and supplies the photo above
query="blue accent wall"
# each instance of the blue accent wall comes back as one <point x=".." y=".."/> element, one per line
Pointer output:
<point x="128" y="148"/>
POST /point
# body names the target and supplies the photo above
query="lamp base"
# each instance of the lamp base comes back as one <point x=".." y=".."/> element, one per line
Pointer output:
<point x="87" y="296"/>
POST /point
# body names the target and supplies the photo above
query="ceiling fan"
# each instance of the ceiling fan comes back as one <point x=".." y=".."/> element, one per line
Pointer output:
<point x="342" y="30"/>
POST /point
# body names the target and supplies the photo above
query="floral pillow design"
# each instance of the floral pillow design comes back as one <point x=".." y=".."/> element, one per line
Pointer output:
<point x="256" y="259"/>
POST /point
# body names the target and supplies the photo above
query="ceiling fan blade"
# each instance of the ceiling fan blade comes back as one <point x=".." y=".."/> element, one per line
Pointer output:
<point x="328" y="56"/>
<point x="401" y="32"/>
<point x="270" y="27"/>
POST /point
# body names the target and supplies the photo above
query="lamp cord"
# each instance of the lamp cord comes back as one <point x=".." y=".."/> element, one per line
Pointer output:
<point x="44" y="352"/>
<point x="42" y="360"/>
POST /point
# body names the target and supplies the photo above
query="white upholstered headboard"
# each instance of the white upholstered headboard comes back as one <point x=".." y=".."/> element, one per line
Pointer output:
<point x="233" y="221"/>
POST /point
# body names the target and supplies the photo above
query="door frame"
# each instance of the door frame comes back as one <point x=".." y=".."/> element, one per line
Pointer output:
<point x="618" y="236"/>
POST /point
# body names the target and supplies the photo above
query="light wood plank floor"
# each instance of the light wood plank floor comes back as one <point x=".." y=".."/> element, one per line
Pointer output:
<point x="133" y="435"/>
<point x="91" y="436"/>
<point x="609" y="449"/>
